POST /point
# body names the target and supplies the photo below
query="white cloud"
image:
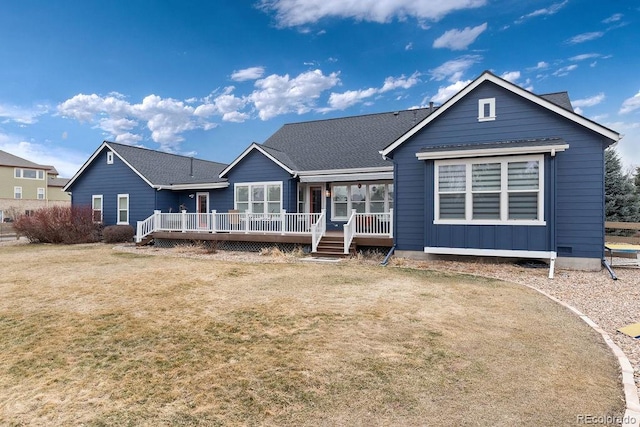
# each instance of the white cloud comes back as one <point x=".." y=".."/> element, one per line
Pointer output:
<point x="561" y="72"/>
<point x="613" y="18"/>
<point x="446" y="92"/>
<point x="454" y="70"/>
<point x="588" y="102"/>
<point x="341" y="101"/>
<point x="409" y="46"/>
<point x="551" y="10"/>
<point x="585" y="37"/>
<point x="276" y="95"/>
<point x="459" y="39"/>
<point x="630" y="104"/>
<point x="293" y="13"/>
<point x="66" y="162"/>
<point x="252" y="73"/>
<point x="511" y="76"/>
<point x="24" y="116"/>
<point x="585" y="56"/>
<point x="627" y="147"/>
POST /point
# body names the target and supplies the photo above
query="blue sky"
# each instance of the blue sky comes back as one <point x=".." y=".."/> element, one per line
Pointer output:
<point x="207" y="78"/>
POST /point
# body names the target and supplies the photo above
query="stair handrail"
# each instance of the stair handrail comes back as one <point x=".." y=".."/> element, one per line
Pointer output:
<point x="349" y="231"/>
<point x="318" y="230"/>
<point x="147" y="226"/>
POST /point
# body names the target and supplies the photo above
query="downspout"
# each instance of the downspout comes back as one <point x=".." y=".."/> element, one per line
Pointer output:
<point x="554" y="200"/>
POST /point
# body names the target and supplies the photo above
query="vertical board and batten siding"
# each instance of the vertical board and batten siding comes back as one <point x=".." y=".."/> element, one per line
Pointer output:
<point x="579" y="193"/>
<point x="255" y="167"/>
<point x="109" y="181"/>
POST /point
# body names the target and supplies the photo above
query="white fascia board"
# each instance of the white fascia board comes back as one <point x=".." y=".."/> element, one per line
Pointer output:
<point x="93" y="157"/>
<point x="505" y="253"/>
<point x="254" y="146"/>
<point x="203" y="186"/>
<point x="370" y="176"/>
<point x="487" y="76"/>
<point x="459" y="154"/>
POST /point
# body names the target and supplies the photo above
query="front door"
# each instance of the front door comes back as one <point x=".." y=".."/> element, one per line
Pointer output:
<point x="202" y="207"/>
<point x="315" y="198"/>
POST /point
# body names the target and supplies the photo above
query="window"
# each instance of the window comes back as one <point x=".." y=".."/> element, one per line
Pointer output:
<point x="364" y="198"/>
<point x="28" y="173"/>
<point x="17" y="192"/>
<point x="123" y="209"/>
<point x="486" y="109"/>
<point x="506" y="190"/>
<point x="40" y="195"/>
<point x="260" y="197"/>
<point x="96" y="207"/>
<point x="109" y="157"/>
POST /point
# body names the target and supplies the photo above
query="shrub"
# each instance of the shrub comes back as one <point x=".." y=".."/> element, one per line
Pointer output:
<point x="118" y="234"/>
<point x="59" y="224"/>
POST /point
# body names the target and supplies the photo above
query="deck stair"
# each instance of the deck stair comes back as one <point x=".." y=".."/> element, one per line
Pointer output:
<point x="332" y="246"/>
<point x="145" y="240"/>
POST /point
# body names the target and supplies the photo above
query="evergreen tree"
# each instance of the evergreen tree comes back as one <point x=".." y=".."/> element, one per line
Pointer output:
<point x="622" y="203"/>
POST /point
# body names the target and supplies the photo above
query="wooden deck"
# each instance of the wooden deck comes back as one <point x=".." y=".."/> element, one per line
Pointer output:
<point x="266" y="237"/>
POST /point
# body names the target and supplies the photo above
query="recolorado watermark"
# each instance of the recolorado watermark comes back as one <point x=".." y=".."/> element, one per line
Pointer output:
<point x="605" y="419"/>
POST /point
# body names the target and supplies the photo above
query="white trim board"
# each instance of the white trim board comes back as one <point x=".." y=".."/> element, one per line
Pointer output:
<point x="500" y="253"/>
<point x="255" y="146"/>
<point x="488" y="76"/>
<point x="486" y="152"/>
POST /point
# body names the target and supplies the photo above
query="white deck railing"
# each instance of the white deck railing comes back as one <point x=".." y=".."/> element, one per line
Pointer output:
<point x="280" y="223"/>
<point x="367" y="224"/>
<point x="318" y="229"/>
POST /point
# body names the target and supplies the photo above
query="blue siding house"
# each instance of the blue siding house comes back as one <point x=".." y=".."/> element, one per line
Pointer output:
<point x="125" y="184"/>
<point x="494" y="171"/>
<point x="500" y="171"/>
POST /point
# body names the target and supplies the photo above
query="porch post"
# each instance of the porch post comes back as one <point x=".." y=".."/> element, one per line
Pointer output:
<point x="183" y="220"/>
<point x="214" y="222"/>
<point x="156" y="220"/>
<point x="283" y="224"/>
<point x="391" y="222"/>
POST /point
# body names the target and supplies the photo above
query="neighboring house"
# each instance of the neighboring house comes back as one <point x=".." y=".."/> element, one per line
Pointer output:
<point x="495" y="171"/>
<point x="125" y="184"/>
<point x="26" y="186"/>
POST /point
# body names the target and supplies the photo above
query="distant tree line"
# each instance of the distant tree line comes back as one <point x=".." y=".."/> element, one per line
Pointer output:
<point x="622" y="190"/>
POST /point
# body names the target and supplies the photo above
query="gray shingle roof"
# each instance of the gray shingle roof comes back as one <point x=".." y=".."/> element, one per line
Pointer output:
<point x="58" y="182"/>
<point x="168" y="169"/>
<point x="343" y="143"/>
<point x="561" y="99"/>
<point x="7" y="159"/>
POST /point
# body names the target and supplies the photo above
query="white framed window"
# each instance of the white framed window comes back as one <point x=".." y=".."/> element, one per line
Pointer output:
<point x="17" y="192"/>
<point x="258" y="197"/>
<point x="22" y="173"/>
<point x="374" y="197"/>
<point x="486" y="191"/>
<point x="40" y="194"/>
<point x="109" y="157"/>
<point x="123" y="209"/>
<point x="486" y="109"/>
<point x="96" y="207"/>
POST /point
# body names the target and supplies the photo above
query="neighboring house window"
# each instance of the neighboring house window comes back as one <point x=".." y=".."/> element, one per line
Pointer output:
<point x="259" y="197"/>
<point x="28" y="212"/>
<point x="364" y="198"/>
<point x="96" y="207"/>
<point x="123" y="209"/>
<point x="29" y="173"/>
<point x="17" y="192"/>
<point x="40" y="193"/>
<point x="508" y="190"/>
<point x="486" y="109"/>
<point x="109" y="157"/>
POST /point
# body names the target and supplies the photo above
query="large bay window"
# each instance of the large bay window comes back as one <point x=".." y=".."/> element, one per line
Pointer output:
<point x="499" y="190"/>
<point x="258" y="197"/>
<point x="364" y="198"/>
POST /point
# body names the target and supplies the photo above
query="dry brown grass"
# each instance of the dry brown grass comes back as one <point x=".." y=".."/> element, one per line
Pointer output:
<point x="91" y="336"/>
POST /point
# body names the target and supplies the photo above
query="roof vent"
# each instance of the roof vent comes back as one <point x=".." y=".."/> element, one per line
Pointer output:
<point x="395" y="113"/>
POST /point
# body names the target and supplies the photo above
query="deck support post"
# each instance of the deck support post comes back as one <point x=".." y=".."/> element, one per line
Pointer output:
<point x="214" y="223"/>
<point x="183" y="221"/>
<point x="283" y="224"/>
